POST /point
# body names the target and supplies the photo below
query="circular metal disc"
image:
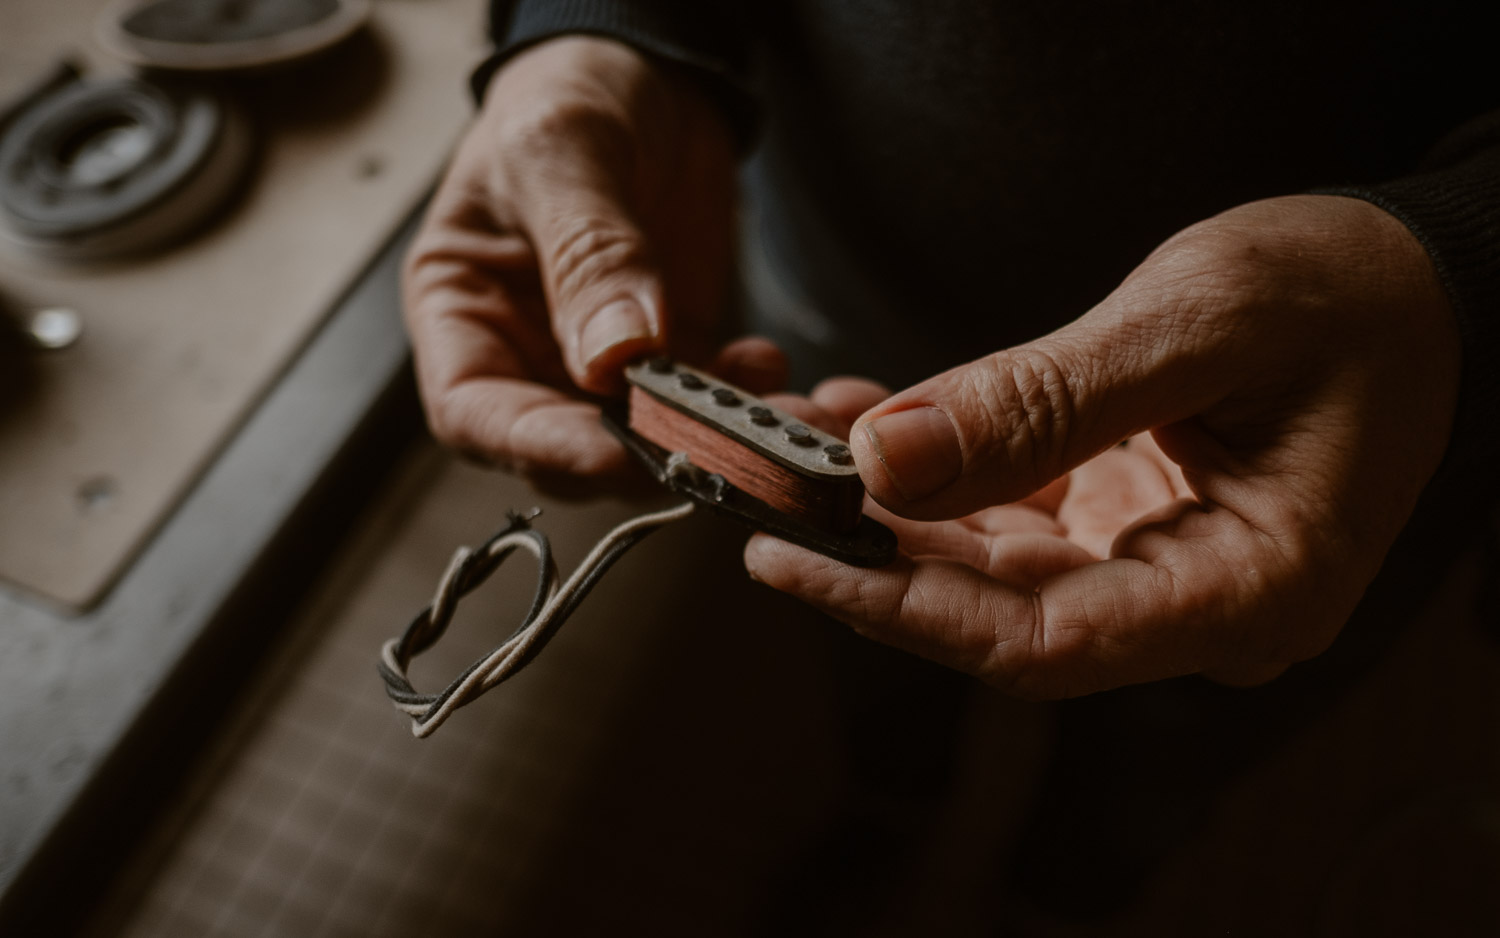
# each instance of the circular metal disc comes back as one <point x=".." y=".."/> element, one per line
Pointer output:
<point x="220" y="35"/>
<point x="103" y="167"/>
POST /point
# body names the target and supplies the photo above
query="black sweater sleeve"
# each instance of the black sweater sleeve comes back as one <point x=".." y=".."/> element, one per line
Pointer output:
<point x="706" y="37"/>
<point x="1452" y="205"/>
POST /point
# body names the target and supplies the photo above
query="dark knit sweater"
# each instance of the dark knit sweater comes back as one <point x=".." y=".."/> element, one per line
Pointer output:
<point x="997" y="168"/>
<point x="948" y="178"/>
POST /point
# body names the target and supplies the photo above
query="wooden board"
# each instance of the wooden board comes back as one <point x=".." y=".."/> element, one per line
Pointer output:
<point x="107" y="436"/>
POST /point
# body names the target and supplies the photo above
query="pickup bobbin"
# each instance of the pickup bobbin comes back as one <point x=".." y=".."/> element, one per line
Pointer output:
<point x="756" y="464"/>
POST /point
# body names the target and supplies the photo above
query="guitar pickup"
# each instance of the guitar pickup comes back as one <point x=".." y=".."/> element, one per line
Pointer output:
<point x="735" y="453"/>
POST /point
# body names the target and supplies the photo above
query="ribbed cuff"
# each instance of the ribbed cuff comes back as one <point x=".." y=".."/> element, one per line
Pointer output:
<point x="701" y="36"/>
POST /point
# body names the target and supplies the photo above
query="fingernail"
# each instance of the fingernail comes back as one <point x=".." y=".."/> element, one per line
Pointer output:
<point x="613" y="325"/>
<point x="918" y="448"/>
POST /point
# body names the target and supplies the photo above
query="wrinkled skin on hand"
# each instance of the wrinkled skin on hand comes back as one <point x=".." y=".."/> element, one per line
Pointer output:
<point x="585" y="220"/>
<point x="1285" y="375"/>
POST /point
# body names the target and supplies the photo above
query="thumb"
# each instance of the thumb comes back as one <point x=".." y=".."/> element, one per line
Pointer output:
<point x="602" y="286"/>
<point x="1000" y="428"/>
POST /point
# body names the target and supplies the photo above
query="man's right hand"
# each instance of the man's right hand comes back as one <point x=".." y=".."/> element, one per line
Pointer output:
<point x="586" y="220"/>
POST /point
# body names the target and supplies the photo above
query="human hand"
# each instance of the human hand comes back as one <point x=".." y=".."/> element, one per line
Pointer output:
<point x="1294" y="364"/>
<point x="584" y="221"/>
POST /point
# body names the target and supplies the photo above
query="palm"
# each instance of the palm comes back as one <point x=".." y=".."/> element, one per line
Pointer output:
<point x="1070" y="523"/>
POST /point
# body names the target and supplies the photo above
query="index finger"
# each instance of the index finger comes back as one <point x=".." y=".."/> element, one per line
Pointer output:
<point x="1190" y="591"/>
<point x="489" y="371"/>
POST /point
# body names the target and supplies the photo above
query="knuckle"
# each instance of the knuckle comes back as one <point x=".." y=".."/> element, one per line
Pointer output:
<point x="419" y="270"/>
<point x="1218" y="266"/>
<point x="588" y="250"/>
<point x="1211" y="289"/>
<point x="446" y="427"/>
<point x="1215" y="244"/>
<point x="1029" y="406"/>
<point x="877" y="607"/>
<point x="451" y="421"/>
<point x="552" y="133"/>
<point x="425" y="284"/>
<point x="1063" y="658"/>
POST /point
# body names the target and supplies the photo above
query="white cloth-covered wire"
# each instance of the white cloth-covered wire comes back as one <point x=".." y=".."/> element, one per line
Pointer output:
<point x="551" y="606"/>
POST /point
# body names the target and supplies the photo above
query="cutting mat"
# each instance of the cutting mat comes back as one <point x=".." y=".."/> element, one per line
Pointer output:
<point x="106" y="437"/>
